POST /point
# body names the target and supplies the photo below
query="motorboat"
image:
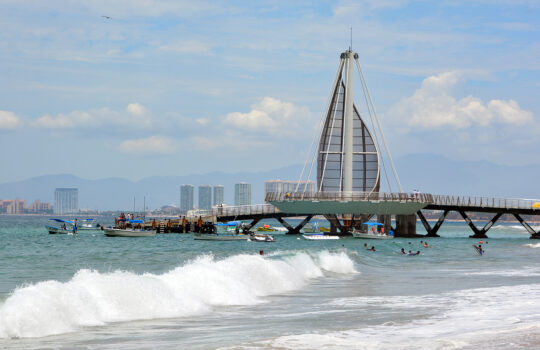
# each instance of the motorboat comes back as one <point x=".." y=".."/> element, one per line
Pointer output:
<point x="319" y="236"/>
<point x="311" y="228"/>
<point x="261" y="237"/>
<point x="371" y="232"/>
<point x="64" y="229"/>
<point x="128" y="232"/>
<point x="266" y="228"/>
<point x="371" y="235"/>
<point x="229" y="231"/>
<point x="88" y="225"/>
<point x="129" y="228"/>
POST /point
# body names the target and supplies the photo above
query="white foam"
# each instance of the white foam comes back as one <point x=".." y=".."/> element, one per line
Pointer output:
<point x="532" y="245"/>
<point x="92" y="298"/>
<point x="451" y="320"/>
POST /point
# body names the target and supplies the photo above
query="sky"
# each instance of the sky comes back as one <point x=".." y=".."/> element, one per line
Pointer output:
<point x="183" y="87"/>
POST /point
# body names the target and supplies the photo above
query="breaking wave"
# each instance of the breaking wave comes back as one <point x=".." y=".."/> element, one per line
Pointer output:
<point x="92" y="298"/>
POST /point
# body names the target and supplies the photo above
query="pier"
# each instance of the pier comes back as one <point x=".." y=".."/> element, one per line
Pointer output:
<point x="350" y="160"/>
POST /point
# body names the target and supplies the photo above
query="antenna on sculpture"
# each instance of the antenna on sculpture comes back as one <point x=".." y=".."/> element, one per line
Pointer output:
<point x="350" y="47"/>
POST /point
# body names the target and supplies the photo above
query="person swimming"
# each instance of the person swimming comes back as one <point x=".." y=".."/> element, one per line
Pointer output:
<point x="403" y="251"/>
<point x="372" y="249"/>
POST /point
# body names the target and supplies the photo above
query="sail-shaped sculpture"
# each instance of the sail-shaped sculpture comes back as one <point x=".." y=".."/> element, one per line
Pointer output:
<point x="330" y="161"/>
<point x="348" y="162"/>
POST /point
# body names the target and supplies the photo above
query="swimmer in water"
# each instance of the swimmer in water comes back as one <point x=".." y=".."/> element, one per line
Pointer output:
<point x="403" y="251"/>
<point x="372" y="248"/>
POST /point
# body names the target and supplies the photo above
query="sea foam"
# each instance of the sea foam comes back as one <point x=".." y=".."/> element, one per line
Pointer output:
<point x="92" y="298"/>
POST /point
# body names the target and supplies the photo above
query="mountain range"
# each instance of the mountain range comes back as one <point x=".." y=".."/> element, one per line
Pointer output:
<point x="427" y="173"/>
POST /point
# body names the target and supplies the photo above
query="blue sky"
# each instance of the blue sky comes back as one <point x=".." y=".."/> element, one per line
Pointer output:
<point x="180" y="87"/>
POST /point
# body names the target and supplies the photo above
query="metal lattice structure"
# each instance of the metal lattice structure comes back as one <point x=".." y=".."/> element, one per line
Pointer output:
<point x="331" y="152"/>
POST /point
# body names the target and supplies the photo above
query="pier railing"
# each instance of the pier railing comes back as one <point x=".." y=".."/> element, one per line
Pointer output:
<point x="484" y="202"/>
<point x="349" y="196"/>
<point x="239" y="210"/>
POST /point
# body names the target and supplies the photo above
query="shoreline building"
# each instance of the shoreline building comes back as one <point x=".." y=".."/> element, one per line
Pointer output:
<point x="186" y="198"/>
<point x="242" y="194"/>
<point x="219" y="191"/>
<point x="205" y="197"/>
<point x="12" y="206"/>
<point x="66" y="200"/>
<point x="39" y="207"/>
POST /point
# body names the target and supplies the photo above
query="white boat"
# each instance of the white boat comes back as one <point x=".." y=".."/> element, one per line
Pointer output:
<point x="89" y="225"/>
<point x="371" y="232"/>
<point x="261" y="237"/>
<point x="128" y="232"/>
<point x="370" y="235"/>
<point x="224" y="232"/>
<point x="319" y="236"/>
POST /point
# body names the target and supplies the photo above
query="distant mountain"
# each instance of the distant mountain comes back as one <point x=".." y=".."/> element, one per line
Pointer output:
<point x="435" y="174"/>
<point x="428" y="173"/>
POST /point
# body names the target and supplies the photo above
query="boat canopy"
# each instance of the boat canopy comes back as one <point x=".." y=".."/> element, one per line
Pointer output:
<point x="373" y="224"/>
<point x="62" y="220"/>
<point x="230" y="223"/>
<point x="136" y="221"/>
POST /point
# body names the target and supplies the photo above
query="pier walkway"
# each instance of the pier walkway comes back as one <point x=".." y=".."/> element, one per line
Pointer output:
<point x="313" y="204"/>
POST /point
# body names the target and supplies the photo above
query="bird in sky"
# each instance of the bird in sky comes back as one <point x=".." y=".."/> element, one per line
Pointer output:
<point x="106" y="17"/>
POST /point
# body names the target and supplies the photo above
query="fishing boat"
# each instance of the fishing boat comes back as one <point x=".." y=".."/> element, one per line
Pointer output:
<point x="261" y="237"/>
<point x="229" y="231"/>
<point x="89" y="225"/>
<point x="64" y="229"/>
<point x="371" y="232"/>
<point x="131" y="228"/>
<point x="319" y="237"/>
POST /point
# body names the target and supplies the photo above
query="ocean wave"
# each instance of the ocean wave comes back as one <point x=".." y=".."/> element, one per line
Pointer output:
<point x="92" y="298"/>
<point x="473" y="318"/>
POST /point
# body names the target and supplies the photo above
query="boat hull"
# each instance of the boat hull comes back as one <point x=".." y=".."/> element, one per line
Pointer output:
<point x="371" y="235"/>
<point x="320" y="237"/>
<point x="115" y="232"/>
<point x="57" y="230"/>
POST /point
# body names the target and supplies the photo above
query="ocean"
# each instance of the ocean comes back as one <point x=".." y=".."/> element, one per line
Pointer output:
<point x="88" y="291"/>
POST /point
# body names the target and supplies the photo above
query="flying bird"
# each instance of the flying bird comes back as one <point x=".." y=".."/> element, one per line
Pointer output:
<point x="106" y="17"/>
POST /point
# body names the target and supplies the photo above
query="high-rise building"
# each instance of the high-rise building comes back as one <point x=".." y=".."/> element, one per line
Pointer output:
<point x="218" y="194"/>
<point x="242" y="194"/>
<point x="66" y="200"/>
<point x="205" y="197"/>
<point x="186" y="198"/>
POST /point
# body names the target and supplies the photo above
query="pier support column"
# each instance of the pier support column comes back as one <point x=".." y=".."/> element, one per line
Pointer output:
<point x="480" y="233"/>
<point x="335" y="225"/>
<point x="432" y="232"/>
<point x="295" y="230"/>
<point x="405" y="226"/>
<point x="534" y="234"/>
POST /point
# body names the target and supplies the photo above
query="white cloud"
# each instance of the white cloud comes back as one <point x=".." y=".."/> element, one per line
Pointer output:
<point x="134" y="117"/>
<point x="8" y="120"/>
<point x="148" y="146"/>
<point x="271" y="116"/>
<point x="433" y="106"/>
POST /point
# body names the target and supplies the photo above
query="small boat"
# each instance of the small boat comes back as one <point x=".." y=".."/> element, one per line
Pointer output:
<point x="371" y="235"/>
<point x="371" y="232"/>
<point x="63" y="229"/>
<point x="280" y="229"/>
<point x="319" y="236"/>
<point x="89" y="225"/>
<point x="224" y="232"/>
<point x="266" y="228"/>
<point x="130" y="228"/>
<point x="324" y="229"/>
<point x="261" y="237"/>
<point x="58" y="230"/>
